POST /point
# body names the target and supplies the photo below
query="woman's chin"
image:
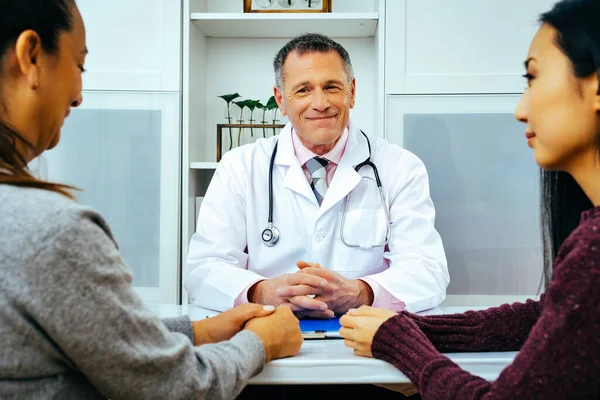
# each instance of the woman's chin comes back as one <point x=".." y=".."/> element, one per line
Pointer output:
<point x="546" y="162"/>
<point x="53" y="142"/>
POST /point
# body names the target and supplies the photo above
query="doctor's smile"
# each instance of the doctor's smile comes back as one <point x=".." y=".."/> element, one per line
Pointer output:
<point x="321" y="118"/>
<point x="323" y="121"/>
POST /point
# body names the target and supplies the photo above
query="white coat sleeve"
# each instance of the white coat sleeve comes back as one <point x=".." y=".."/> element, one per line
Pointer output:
<point x="418" y="271"/>
<point x="216" y="265"/>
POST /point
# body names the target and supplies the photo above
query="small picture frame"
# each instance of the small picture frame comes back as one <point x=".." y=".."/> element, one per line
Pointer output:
<point x="282" y="6"/>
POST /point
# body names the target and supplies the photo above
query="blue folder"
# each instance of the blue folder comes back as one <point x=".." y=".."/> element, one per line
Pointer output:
<point x="320" y="328"/>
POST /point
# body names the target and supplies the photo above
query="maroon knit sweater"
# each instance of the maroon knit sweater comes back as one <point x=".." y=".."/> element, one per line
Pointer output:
<point x="558" y="336"/>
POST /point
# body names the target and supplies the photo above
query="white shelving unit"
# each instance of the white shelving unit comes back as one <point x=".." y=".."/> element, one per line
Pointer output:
<point x="236" y="25"/>
<point x="204" y="165"/>
<point x="228" y="51"/>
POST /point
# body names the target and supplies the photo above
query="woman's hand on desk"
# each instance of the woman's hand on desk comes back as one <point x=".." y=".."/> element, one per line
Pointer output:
<point x="279" y="332"/>
<point x="225" y="325"/>
<point x="360" y="325"/>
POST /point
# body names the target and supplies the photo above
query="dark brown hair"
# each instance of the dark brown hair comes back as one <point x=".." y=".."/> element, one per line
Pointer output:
<point x="48" y="18"/>
<point x="577" y="23"/>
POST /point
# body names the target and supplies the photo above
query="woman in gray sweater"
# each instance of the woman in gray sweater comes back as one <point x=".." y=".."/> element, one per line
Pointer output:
<point x="71" y="326"/>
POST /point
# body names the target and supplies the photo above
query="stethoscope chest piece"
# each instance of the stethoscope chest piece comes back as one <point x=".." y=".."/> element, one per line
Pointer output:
<point x="270" y="235"/>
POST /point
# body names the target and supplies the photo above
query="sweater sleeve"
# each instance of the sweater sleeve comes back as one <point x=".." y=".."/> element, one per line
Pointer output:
<point x="503" y="328"/>
<point x="82" y="299"/>
<point x="181" y="324"/>
<point x="559" y="359"/>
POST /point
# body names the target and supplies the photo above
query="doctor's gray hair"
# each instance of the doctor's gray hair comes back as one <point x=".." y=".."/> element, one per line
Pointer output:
<point x="309" y="43"/>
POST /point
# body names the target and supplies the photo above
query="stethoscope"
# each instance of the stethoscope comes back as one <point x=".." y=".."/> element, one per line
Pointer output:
<point x="271" y="235"/>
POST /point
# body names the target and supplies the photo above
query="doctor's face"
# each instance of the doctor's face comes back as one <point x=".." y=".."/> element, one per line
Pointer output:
<point x="317" y="97"/>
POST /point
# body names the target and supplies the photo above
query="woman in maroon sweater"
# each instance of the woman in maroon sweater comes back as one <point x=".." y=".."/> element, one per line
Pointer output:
<point x="559" y="335"/>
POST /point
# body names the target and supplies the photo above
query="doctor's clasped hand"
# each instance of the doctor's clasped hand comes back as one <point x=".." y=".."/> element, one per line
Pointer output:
<point x="340" y="294"/>
<point x="329" y="294"/>
<point x="292" y="291"/>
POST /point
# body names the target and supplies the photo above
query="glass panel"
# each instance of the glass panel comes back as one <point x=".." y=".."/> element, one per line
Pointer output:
<point x="114" y="156"/>
<point x="484" y="183"/>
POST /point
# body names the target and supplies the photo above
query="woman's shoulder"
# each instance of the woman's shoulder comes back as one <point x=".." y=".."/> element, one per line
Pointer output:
<point x="581" y="251"/>
<point x="588" y="230"/>
<point x="44" y="213"/>
<point x="36" y="198"/>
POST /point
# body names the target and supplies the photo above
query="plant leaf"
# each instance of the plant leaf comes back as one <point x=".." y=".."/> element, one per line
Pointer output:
<point x="229" y="97"/>
<point x="271" y="103"/>
<point x="251" y="104"/>
<point x="241" y="103"/>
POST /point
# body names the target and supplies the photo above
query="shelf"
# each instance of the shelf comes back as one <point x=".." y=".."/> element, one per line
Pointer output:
<point x="204" y="165"/>
<point x="285" y="25"/>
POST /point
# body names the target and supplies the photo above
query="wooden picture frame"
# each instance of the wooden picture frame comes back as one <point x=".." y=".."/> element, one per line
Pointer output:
<point x="280" y="6"/>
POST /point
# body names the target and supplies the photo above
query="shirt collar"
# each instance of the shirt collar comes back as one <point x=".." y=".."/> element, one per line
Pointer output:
<point x="334" y="155"/>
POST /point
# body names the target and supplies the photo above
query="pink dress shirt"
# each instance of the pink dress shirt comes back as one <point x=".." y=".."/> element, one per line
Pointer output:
<point x="382" y="298"/>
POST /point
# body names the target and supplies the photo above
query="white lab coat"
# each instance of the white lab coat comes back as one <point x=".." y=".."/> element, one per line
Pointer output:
<point x="227" y="254"/>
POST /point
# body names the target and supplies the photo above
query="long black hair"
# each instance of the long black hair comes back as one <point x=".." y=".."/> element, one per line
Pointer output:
<point x="48" y="18"/>
<point x="562" y="200"/>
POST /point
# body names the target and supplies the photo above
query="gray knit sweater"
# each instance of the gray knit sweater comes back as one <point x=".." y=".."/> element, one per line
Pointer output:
<point x="71" y="327"/>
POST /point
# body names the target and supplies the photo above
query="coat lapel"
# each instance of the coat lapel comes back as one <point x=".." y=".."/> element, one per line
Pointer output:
<point x="286" y="161"/>
<point x="346" y="178"/>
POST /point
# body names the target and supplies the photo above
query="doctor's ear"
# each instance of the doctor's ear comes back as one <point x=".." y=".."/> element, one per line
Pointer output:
<point x="278" y="94"/>
<point x="353" y="92"/>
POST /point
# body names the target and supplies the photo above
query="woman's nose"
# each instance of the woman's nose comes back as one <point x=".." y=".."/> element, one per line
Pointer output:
<point x="521" y="111"/>
<point x="77" y="101"/>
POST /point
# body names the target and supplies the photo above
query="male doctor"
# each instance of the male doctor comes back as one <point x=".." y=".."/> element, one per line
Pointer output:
<point x="332" y="242"/>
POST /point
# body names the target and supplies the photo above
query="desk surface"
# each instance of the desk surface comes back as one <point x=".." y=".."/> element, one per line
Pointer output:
<point x="330" y="362"/>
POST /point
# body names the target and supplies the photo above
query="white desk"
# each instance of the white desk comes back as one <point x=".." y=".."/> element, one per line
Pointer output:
<point x="330" y="362"/>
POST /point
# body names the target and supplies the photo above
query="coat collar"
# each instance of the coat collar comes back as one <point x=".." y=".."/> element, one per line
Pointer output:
<point x="345" y="178"/>
<point x="356" y="151"/>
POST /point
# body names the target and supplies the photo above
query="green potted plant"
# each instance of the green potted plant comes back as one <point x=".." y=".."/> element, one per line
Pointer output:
<point x="272" y="105"/>
<point x="264" y="109"/>
<point x="241" y="104"/>
<point x="229" y="98"/>
<point x="252" y="105"/>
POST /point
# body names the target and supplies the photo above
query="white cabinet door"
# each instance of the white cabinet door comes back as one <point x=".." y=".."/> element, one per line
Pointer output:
<point x="459" y="46"/>
<point x="133" y="44"/>
<point x="122" y="150"/>
<point x="484" y="184"/>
